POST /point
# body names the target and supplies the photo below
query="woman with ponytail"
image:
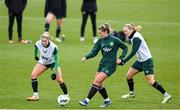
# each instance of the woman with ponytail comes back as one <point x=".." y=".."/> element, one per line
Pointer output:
<point x="48" y="58"/>
<point x="144" y="62"/>
<point x="109" y="46"/>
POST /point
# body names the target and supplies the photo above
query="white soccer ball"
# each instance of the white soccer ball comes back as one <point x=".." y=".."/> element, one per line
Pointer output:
<point x="63" y="100"/>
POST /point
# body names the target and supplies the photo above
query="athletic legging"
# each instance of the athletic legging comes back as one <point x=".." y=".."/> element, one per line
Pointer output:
<point x="84" y="20"/>
<point x="19" y="25"/>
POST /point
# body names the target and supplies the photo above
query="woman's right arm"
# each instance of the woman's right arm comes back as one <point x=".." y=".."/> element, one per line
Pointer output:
<point x="94" y="51"/>
<point x="135" y="47"/>
<point x="36" y="53"/>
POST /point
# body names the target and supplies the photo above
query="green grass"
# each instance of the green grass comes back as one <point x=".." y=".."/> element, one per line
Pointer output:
<point x="161" y="25"/>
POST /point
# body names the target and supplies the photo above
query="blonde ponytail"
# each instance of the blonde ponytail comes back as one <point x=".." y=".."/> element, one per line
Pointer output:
<point x="133" y="27"/>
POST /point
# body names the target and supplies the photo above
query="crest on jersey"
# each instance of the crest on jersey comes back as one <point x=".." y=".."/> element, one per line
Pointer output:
<point x="111" y="43"/>
<point x="44" y="51"/>
<point x="107" y="71"/>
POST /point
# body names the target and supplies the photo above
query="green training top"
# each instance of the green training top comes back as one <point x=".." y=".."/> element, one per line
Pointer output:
<point x="136" y="43"/>
<point x="109" y="47"/>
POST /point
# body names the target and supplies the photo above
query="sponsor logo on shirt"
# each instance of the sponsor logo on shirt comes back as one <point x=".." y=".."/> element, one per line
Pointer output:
<point x="45" y="58"/>
<point x="106" y="49"/>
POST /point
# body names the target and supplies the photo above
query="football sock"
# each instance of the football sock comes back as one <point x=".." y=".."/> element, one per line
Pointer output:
<point x="131" y="92"/>
<point x="47" y="27"/>
<point x="58" y="31"/>
<point x="35" y="94"/>
<point x="103" y="92"/>
<point x="64" y="88"/>
<point x="92" y="91"/>
<point x="159" y="87"/>
<point x="107" y="99"/>
<point x="34" y="84"/>
<point x="166" y="94"/>
<point x="130" y="84"/>
<point x="87" y="99"/>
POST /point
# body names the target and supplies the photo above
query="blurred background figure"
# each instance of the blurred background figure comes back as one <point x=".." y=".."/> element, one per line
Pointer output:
<point x="55" y="9"/>
<point x="15" y="10"/>
<point x="89" y="7"/>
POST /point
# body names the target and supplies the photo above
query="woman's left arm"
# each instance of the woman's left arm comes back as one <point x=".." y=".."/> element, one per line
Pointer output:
<point x="56" y="58"/>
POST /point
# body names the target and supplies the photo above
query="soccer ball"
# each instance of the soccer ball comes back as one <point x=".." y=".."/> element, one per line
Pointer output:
<point x="63" y="99"/>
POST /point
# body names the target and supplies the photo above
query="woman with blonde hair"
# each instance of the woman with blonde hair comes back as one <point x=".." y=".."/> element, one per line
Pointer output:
<point x="48" y="59"/>
<point x="144" y="62"/>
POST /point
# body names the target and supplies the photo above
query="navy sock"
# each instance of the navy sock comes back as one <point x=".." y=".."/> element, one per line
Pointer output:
<point x="64" y="88"/>
<point x="58" y="31"/>
<point x="34" y="84"/>
<point x="159" y="87"/>
<point x="92" y="91"/>
<point x="103" y="92"/>
<point x="47" y="27"/>
<point x="130" y="84"/>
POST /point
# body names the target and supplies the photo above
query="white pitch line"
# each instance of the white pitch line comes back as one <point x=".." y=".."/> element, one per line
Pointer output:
<point x="111" y="21"/>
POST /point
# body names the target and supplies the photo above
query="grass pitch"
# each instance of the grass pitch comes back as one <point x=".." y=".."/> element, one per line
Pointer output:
<point x="161" y="25"/>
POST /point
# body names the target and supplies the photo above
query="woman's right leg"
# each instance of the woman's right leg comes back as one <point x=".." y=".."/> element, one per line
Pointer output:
<point x="10" y="27"/>
<point x="38" y="70"/>
<point x="130" y="74"/>
<point x="49" y="19"/>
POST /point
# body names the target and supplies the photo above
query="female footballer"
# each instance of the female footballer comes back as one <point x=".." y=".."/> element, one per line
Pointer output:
<point x="144" y="62"/>
<point x="55" y="8"/>
<point x="48" y="59"/>
<point x="109" y="46"/>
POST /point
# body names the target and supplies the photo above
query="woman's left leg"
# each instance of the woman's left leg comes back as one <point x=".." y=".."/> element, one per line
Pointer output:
<point x="102" y="90"/>
<point x="59" y="23"/>
<point x="61" y="82"/>
<point x="97" y="86"/>
<point x="150" y="79"/>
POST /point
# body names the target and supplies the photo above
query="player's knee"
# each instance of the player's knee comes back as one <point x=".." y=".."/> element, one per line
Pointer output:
<point x="33" y="76"/>
<point x="58" y="27"/>
<point x="150" y="81"/>
<point x="60" y="80"/>
<point x="97" y="82"/>
<point x="48" y="20"/>
<point x="129" y="76"/>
